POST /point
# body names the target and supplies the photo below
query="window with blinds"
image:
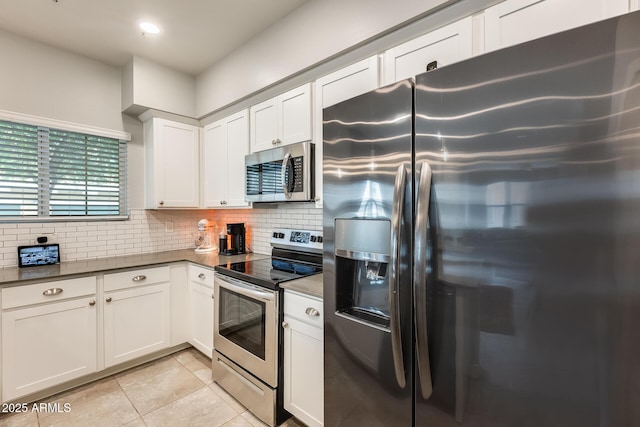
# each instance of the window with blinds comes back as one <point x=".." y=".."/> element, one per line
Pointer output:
<point x="51" y="173"/>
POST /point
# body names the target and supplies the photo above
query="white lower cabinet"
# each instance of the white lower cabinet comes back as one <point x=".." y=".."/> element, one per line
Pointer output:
<point x="47" y="343"/>
<point x="200" y="322"/>
<point x="303" y="358"/>
<point x="137" y="314"/>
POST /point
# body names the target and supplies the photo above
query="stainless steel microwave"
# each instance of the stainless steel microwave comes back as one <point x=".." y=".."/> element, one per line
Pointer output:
<point x="283" y="174"/>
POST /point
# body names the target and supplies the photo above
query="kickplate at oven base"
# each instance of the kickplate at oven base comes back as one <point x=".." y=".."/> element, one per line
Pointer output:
<point x="257" y="397"/>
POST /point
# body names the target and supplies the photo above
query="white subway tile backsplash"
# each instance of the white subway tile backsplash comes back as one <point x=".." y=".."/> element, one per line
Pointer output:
<point x="145" y="231"/>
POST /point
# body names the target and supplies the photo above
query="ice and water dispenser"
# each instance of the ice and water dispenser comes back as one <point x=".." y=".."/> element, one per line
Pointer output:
<point x="363" y="254"/>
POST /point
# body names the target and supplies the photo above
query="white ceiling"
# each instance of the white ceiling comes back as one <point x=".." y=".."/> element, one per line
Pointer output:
<point x="194" y="33"/>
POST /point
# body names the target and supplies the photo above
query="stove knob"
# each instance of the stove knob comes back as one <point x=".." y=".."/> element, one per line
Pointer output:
<point x="281" y="235"/>
<point x="275" y="235"/>
<point x="319" y="239"/>
<point x="313" y="238"/>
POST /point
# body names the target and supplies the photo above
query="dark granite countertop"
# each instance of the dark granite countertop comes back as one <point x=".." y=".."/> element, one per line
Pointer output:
<point x="311" y="285"/>
<point x="12" y="276"/>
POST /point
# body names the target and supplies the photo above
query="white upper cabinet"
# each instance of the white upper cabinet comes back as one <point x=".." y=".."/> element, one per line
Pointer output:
<point x="333" y="88"/>
<point x="516" y="21"/>
<point x="172" y="164"/>
<point x="224" y="145"/>
<point x="445" y="46"/>
<point x="283" y="120"/>
<point x="346" y="83"/>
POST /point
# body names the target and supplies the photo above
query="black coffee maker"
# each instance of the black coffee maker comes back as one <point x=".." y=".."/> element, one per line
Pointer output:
<point x="234" y="243"/>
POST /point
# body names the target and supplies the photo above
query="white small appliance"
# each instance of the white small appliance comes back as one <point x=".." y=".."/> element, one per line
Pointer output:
<point x="203" y="241"/>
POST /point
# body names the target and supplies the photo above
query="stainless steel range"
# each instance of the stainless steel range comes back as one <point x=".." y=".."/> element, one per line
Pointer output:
<point x="247" y="360"/>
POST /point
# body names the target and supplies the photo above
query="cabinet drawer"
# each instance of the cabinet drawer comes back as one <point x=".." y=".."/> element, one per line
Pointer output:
<point x="201" y="275"/>
<point x="132" y="278"/>
<point x="303" y="307"/>
<point x="48" y="291"/>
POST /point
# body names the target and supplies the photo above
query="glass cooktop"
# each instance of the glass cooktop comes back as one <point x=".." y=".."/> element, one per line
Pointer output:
<point x="268" y="272"/>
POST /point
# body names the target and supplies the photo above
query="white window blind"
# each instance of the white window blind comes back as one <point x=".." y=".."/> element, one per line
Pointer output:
<point x="51" y="173"/>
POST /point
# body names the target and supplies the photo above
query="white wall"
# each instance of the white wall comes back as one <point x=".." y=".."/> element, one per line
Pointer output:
<point x="318" y="30"/>
<point x="44" y="81"/>
<point x="146" y="84"/>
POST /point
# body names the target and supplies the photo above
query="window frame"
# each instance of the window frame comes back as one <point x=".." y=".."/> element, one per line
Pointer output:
<point x="58" y="125"/>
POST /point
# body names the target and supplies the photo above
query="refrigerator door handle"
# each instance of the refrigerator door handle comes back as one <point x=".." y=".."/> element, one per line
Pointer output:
<point x="420" y="281"/>
<point x="394" y="300"/>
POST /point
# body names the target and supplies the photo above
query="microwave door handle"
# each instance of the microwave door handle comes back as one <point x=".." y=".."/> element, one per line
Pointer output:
<point x="420" y="281"/>
<point x="394" y="282"/>
<point x="283" y="175"/>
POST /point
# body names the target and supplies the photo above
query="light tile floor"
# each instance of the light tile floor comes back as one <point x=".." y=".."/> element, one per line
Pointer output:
<point x="176" y="390"/>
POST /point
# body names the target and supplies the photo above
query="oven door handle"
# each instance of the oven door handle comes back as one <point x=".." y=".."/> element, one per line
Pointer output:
<point x="245" y="289"/>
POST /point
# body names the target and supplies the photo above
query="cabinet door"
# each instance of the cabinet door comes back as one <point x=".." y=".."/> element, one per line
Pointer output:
<point x="516" y="21"/>
<point x="237" y="148"/>
<point x="338" y="86"/>
<point x="264" y="127"/>
<point x="201" y="317"/>
<point x="176" y="166"/>
<point x="445" y="45"/>
<point x="136" y="322"/>
<point x="294" y="109"/>
<point x="47" y="345"/>
<point x="304" y="371"/>
<point x="214" y="164"/>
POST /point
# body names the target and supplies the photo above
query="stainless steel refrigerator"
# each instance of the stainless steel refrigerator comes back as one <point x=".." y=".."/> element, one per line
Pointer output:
<point x="482" y="240"/>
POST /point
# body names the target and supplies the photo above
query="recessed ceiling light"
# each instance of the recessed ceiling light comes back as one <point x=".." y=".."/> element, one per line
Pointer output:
<point x="149" y="28"/>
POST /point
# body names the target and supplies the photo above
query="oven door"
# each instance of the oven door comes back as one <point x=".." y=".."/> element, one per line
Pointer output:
<point x="246" y="326"/>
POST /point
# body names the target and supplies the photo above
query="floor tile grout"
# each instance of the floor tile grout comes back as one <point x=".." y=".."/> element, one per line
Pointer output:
<point x="183" y="358"/>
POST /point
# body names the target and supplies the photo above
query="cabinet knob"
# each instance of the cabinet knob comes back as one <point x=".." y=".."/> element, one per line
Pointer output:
<point x="109" y="299"/>
<point x="312" y="312"/>
<point x="139" y="278"/>
<point x="212" y="296"/>
<point x="51" y="292"/>
<point x="92" y="303"/>
<point x="202" y="276"/>
<point x="161" y="202"/>
<point x="278" y="141"/>
<point x="285" y="325"/>
<point x="273" y="142"/>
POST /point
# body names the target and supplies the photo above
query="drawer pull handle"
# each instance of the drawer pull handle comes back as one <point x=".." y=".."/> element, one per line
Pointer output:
<point x="92" y="303"/>
<point x="51" y="292"/>
<point x="139" y="278"/>
<point x="201" y="276"/>
<point x="312" y="312"/>
<point x="109" y="299"/>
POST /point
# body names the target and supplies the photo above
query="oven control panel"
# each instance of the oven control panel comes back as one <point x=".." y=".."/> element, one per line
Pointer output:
<point x="303" y="239"/>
